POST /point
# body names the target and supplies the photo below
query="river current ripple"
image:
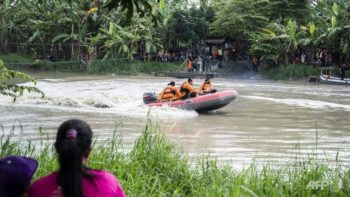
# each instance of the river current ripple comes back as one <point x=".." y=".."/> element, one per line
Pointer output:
<point x="270" y="121"/>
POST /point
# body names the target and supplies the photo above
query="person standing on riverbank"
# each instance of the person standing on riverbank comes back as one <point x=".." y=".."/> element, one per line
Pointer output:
<point x="74" y="178"/>
<point x="322" y="57"/>
<point x="255" y="64"/>
<point x="342" y="71"/>
<point x="200" y="64"/>
<point x="189" y="65"/>
<point x="215" y="53"/>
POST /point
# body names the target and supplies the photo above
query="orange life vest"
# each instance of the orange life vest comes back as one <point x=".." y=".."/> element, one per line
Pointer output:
<point x="186" y="88"/>
<point x="189" y="64"/>
<point x="183" y="89"/>
<point x="206" y="87"/>
<point x="169" y="93"/>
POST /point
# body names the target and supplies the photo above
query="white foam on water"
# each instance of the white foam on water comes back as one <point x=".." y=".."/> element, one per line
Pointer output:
<point x="235" y="135"/>
<point x="295" y="88"/>
<point x="314" y="104"/>
<point x="114" y="96"/>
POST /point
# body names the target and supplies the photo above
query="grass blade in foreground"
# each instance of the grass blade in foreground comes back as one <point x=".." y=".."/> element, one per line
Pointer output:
<point x="156" y="167"/>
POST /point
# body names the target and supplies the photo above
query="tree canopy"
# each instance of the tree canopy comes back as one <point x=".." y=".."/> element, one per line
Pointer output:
<point x="73" y="30"/>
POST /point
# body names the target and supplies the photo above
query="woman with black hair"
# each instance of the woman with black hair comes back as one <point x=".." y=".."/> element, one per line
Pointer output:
<point x="74" y="179"/>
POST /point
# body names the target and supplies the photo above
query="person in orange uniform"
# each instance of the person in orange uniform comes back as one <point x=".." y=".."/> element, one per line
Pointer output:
<point x="186" y="89"/>
<point x="170" y="93"/>
<point x="207" y="87"/>
<point x="189" y="65"/>
<point x="215" y="53"/>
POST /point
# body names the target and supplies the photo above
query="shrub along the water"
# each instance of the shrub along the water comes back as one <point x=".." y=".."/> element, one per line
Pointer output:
<point x="156" y="167"/>
<point x="296" y="71"/>
<point x="129" y="67"/>
<point x="109" y="66"/>
<point x="291" y="71"/>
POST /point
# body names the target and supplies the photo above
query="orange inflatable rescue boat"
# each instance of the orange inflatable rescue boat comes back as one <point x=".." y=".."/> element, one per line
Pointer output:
<point x="201" y="103"/>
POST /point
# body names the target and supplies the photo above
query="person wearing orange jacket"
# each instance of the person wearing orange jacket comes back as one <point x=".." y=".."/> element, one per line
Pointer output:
<point x="170" y="93"/>
<point x="207" y="87"/>
<point x="187" y="90"/>
<point x="189" y="65"/>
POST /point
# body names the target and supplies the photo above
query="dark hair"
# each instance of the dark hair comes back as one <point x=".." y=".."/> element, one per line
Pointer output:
<point x="189" y="79"/>
<point x="73" y="143"/>
<point x="172" y="83"/>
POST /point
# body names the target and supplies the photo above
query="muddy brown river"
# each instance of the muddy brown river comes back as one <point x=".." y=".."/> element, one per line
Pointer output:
<point x="270" y="121"/>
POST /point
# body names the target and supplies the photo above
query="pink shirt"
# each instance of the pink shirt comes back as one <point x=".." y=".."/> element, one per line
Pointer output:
<point x="105" y="184"/>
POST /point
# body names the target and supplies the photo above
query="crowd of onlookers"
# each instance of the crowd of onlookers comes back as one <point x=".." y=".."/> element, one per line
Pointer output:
<point x="161" y="56"/>
<point x="203" y="60"/>
<point x="322" y="58"/>
<point x="329" y="58"/>
<point x="183" y="54"/>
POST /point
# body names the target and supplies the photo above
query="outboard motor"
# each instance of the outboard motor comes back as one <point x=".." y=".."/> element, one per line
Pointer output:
<point x="149" y="97"/>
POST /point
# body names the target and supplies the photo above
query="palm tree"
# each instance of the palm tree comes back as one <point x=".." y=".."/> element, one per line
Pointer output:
<point x="334" y="22"/>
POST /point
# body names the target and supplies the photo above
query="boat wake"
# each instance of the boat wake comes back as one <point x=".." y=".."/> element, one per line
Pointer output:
<point x="314" y="104"/>
<point x="101" y="96"/>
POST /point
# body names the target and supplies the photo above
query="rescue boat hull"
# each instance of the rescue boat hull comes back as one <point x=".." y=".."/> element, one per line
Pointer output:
<point x="334" y="80"/>
<point x="203" y="103"/>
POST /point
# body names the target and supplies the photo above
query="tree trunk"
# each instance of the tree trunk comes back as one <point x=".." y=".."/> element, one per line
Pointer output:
<point x="72" y="44"/>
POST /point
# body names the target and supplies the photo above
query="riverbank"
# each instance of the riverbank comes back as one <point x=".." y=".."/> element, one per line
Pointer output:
<point x="238" y="69"/>
<point x="119" y="66"/>
<point x="154" y="166"/>
<point x="242" y="69"/>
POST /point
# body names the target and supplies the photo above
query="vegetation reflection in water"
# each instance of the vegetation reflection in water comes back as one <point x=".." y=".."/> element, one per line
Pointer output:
<point x="156" y="167"/>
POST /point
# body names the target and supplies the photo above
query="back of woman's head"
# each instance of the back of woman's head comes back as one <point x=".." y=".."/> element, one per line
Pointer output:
<point x="73" y="144"/>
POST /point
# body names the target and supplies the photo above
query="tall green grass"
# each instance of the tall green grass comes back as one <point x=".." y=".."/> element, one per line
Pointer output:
<point x="291" y="71"/>
<point x="128" y="67"/>
<point x="109" y="66"/>
<point x="156" y="167"/>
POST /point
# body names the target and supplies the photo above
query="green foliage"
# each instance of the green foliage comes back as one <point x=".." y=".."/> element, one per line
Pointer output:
<point x="243" y="20"/>
<point x="156" y="167"/>
<point x="281" y="11"/>
<point x="127" y="67"/>
<point x="132" y="7"/>
<point x="240" y="19"/>
<point x="333" y="20"/>
<point x="126" y="41"/>
<point x="153" y="154"/>
<point x="70" y="29"/>
<point x="20" y="60"/>
<point x="185" y="25"/>
<point x="278" y="40"/>
<point x="291" y="71"/>
<point x="275" y="30"/>
<point x="9" y="88"/>
<point x="118" y="66"/>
